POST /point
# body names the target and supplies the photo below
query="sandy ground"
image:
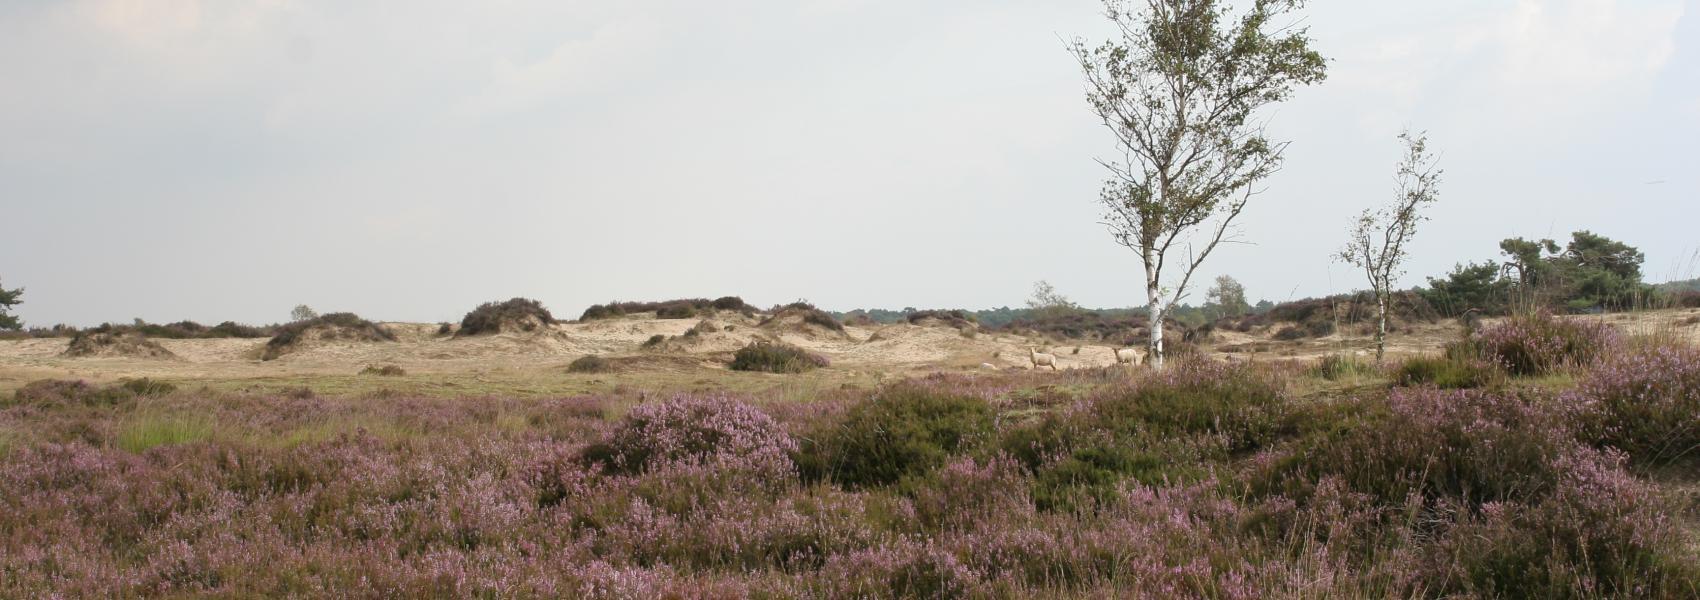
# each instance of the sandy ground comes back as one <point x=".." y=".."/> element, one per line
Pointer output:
<point x="859" y="350"/>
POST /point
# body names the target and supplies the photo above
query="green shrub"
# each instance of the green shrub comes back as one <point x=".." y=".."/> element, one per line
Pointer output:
<point x="902" y="431"/>
<point x="654" y="340"/>
<point x="385" y="371"/>
<point x="590" y="363"/>
<point x="769" y="357"/>
<point x="1446" y="372"/>
<point x="1238" y="403"/>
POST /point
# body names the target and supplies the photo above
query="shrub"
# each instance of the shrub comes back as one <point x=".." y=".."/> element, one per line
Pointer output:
<point x="1644" y="402"/>
<point x="590" y="363"/>
<point x="1467" y="446"/>
<point x="1600" y="533"/>
<point x="335" y="325"/>
<point x="1538" y="343"/>
<point x="1446" y="373"/>
<point x="58" y="392"/>
<point x="522" y="314"/>
<point x="655" y="340"/>
<point x="773" y="357"/>
<point x="902" y="431"/>
<point x="385" y="371"/>
<point x="1239" y="403"/>
<point x="687" y="431"/>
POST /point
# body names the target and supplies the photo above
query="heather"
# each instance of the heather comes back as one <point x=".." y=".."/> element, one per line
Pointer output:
<point x="1205" y="480"/>
<point x="1539" y="343"/>
<point x="1644" y="401"/>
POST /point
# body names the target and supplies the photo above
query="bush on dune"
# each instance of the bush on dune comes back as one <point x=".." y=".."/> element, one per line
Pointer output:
<point x="774" y="357"/>
<point x="669" y="309"/>
<point x="523" y="314"/>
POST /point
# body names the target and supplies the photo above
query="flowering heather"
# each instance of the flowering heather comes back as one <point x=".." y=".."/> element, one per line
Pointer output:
<point x="701" y="431"/>
<point x="1538" y="344"/>
<point x="1644" y="401"/>
<point x="1419" y="493"/>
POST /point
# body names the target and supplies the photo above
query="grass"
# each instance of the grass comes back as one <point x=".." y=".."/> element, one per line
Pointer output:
<point x="145" y="432"/>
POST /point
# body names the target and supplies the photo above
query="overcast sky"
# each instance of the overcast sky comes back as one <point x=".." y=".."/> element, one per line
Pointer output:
<point x="174" y="159"/>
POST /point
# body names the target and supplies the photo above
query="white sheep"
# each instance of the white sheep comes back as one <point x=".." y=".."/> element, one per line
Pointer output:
<point x="1129" y="356"/>
<point x="1041" y="359"/>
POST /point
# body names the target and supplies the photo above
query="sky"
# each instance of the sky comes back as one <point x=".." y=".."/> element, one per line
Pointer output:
<point x="230" y="159"/>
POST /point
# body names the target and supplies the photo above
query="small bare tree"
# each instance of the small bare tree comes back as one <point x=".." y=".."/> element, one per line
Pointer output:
<point x="1048" y="303"/>
<point x="303" y="312"/>
<point x="1378" y="237"/>
<point x="1179" y="89"/>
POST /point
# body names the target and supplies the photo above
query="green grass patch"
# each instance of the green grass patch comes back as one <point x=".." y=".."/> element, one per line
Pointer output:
<point x="152" y="431"/>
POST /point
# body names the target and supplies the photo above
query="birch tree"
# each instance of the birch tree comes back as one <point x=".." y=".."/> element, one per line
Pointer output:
<point x="1378" y="237"/>
<point x="1181" y="86"/>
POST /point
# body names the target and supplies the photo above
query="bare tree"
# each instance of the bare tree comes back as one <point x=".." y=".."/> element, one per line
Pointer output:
<point x="1378" y="237"/>
<point x="1179" y="89"/>
<point x="303" y="312"/>
<point x="1047" y="302"/>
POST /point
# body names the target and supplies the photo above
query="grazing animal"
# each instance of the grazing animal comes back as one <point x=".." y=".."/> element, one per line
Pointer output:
<point x="1129" y="356"/>
<point x="1041" y="359"/>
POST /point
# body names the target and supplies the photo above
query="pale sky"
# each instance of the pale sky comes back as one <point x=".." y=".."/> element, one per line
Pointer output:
<point x="227" y="160"/>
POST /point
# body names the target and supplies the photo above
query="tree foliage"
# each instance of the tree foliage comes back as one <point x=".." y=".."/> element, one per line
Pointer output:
<point x="1591" y="272"/>
<point x="1180" y="88"/>
<point x="1226" y="299"/>
<point x="9" y="299"/>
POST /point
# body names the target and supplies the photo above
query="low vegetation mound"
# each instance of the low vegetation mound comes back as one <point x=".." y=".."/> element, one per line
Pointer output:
<point x="1319" y="317"/>
<point x="954" y="318"/>
<point x="590" y="363"/>
<point x="64" y="392"/>
<point x="1447" y="372"/>
<point x="776" y="357"/>
<point x="670" y="309"/>
<point x="804" y="315"/>
<point x="127" y="344"/>
<point x="512" y="316"/>
<point x="902" y="432"/>
<point x="1539" y="343"/>
<point x="333" y="327"/>
<point x="692" y="432"/>
<point x="384" y="371"/>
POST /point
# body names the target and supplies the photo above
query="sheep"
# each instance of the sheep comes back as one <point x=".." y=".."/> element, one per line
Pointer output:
<point x="1041" y="359"/>
<point x="1129" y="356"/>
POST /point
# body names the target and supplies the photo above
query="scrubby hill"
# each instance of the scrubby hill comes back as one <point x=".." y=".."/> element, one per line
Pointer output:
<point x="115" y="344"/>
<point x="684" y="308"/>
<point x="334" y="327"/>
<point x="512" y="316"/>
<point x="804" y="319"/>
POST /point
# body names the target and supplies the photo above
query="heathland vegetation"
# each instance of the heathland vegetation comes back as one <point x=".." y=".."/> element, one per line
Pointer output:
<point x="1531" y="459"/>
